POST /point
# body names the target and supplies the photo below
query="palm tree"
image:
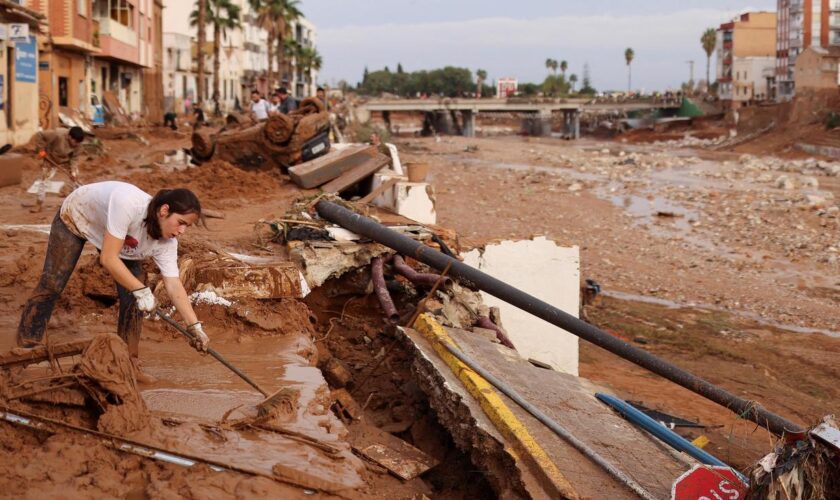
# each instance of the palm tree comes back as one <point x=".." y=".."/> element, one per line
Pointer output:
<point x="573" y="80"/>
<point x="202" y="39"/>
<point x="289" y="13"/>
<point x="563" y="67"/>
<point x="628" y="56"/>
<point x="308" y="59"/>
<point x="222" y="15"/>
<point x="548" y="63"/>
<point x="291" y="53"/>
<point x="480" y="76"/>
<point x="709" y="41"/>
<point x="272" y="16"/>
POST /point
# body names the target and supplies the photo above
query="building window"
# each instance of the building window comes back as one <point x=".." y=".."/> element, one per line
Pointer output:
<point x="82" y="7"/>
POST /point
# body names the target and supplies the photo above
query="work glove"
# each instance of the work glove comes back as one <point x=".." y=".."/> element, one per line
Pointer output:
<point x="200" y="340"/>
<point x="145" y="299"/>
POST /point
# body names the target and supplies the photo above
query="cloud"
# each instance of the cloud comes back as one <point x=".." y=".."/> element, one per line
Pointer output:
<point x="518" y="47"/>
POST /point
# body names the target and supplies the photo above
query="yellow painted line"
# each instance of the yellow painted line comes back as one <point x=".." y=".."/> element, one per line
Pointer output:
<point x="497" y="410"/>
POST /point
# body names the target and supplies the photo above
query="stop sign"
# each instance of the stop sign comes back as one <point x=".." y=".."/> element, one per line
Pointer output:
<point x="708" y="482"/>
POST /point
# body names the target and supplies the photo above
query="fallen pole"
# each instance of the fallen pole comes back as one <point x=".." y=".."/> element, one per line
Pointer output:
<point x="663" y="433"/>
<point x="41" y="353"/>
<point x="367" y="227"/>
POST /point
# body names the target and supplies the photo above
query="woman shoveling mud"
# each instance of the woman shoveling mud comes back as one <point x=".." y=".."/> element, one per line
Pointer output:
<point x="127" y="226"/>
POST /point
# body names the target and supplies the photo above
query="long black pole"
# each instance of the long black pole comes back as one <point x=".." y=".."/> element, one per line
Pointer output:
<point x="367" y="227"/>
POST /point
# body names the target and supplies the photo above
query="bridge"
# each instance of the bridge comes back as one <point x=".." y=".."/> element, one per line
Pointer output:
<point x="440" y="113"/>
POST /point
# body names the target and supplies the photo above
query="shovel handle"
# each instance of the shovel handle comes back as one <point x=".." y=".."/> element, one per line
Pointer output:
<point x="210" y="351"/>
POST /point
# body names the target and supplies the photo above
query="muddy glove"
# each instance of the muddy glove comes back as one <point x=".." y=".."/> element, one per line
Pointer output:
<point x="145" y="299"/>
<point x="200" y="339"/>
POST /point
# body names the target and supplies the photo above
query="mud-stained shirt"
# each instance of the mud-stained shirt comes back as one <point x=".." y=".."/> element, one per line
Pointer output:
<point x="118" y="208"/>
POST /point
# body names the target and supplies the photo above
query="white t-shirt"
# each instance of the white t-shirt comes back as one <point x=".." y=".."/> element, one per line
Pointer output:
<point x="260" y="109"/>
<point x="119" y="208"/>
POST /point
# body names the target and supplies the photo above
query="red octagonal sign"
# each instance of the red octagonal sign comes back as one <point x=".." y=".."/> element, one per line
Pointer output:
<point x="707" y="482"/>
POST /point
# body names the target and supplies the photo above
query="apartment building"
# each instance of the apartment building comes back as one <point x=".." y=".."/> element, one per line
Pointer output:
<point x="243" y="61"/>
<point x="746" y="58"/>
<point x="19" y="62"/>
<point x="65" y="64"/>
<point x="124" y="32"/>
<point x="802" y="24"/>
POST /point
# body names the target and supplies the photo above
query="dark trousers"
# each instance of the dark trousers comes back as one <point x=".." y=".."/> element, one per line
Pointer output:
<point x="63" y="251"/>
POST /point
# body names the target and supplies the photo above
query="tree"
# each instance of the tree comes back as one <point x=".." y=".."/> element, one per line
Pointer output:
<point x="309" y="59"/>
<point x="628" y="56"/>
<point x="555" y="85"/>
<point x="563" y="67"/>
<point x="399" y="68"/>
<point x="551" y="65"/>
<point x="202" y="39"/>
<point x="573" y="80"/>
<point x="222" y="15"/>
<point x="274" y="17"/>
<point x="287" y="13"/>
<point x="480" y="76"/>
<point x="709" y="41"/>
<point x="587" y="81"/>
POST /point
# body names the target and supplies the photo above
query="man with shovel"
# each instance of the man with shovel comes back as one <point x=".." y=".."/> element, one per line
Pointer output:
<point x="58" y="149"/>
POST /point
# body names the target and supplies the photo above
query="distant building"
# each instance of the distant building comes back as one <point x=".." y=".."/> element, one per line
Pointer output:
<point x="818" y="68"/>
<point x="243" y="58"/>
<point x="506" y="87"/>
<point x="746" y="61"/>
<point x="802" y="24"/>
<point x="19" y="73"/>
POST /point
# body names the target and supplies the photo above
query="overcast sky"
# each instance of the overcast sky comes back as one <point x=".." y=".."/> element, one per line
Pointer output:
<point x="514" y="37"/>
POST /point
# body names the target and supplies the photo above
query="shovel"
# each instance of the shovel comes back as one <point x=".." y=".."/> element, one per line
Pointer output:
<point x="266" y="406"/>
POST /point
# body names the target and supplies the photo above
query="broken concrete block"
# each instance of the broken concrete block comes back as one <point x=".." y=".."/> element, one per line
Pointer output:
<point x="548" y="272"/>
<point x="415" y="200"/>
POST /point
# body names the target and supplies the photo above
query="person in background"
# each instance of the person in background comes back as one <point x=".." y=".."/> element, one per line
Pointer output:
<point x="260" y="108"/>
<point x="57" y="150"/>
<point x="170" y="119"/>
<point x="198" y="111"/>
<point x="274" y="105"/>
<point x="322" y="95"/>
<point x="287" y="102"/>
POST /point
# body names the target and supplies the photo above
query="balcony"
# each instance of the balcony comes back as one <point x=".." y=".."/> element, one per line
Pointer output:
<point x="117" y="31"/>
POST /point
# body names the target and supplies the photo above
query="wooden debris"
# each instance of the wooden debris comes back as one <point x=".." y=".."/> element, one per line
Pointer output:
<point x="400" y="458"/>
<point x="379" y="190"/>
<point x="359" y="173"/>
<point x="38" y="354"/>
<point x="326" y="168"/>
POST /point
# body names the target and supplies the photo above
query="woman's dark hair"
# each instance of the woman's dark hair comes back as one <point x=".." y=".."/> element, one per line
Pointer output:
<point x="180" y="201"/>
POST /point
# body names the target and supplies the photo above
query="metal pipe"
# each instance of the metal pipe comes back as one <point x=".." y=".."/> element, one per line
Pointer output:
<point x="425" y="279"/>
<point x="378" y="277"/>
<point x="487" y="323"/>
<point x="551" y="424"/>
<point x="663" y="433"/>
<point x="473" y="277"/>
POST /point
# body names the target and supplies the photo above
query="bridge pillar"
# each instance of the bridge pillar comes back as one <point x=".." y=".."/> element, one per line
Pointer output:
<point x="576" y="124"/>
<point x="468" y="117"/>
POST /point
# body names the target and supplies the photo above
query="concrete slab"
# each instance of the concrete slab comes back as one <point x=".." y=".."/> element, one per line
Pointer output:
<point x="570" y="401"/>
<point x="544" y="270"/>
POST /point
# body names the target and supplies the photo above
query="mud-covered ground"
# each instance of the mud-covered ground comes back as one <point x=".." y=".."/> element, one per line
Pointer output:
<point x="705" y="258"/>
<point x="725" y="264"/>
